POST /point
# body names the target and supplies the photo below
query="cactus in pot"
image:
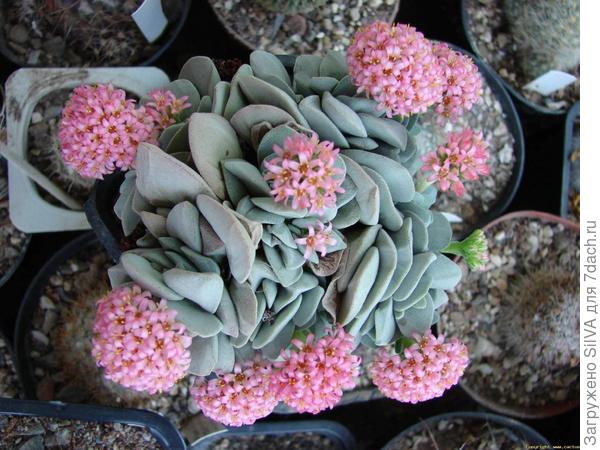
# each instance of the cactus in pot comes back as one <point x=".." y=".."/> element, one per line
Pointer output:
<point x="542" y="316"/>
<point x="287" y="222"/>
<point x="546" y="33"/>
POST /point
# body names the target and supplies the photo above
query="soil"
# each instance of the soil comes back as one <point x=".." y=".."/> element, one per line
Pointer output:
<point x="295" y="441"/>
<point x="39" y="433"/>
<point x="497" y="372"/>
<point x="60" y="343"/>
<point x="495" y="45"/>
<point x="9" y="382"/>
<point x="574" y="200"/>
<point x="44" y="149"/>
<point x="464" y="434"/>
<point x="329" y="27"/>
<point x="483" y="194"/>
<point x="64" y="33"/>
<point x="12" y="241"/>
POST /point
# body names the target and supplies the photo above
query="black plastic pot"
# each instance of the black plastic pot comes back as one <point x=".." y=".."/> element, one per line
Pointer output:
<point x="9" y="273"/>
<point x="162" y="430"/>
<point x="572" y="117"/>
<point x="30" y="303"/>
<point x="526" y="433"/>
<point x="169" y="35"/>
<point x="339" y="434"/>
<point x="527" y="106"/>
<point x="101" y="216"/>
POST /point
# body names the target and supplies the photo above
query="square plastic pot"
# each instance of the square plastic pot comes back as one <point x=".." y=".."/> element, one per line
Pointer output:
<point x="24" y="89"/>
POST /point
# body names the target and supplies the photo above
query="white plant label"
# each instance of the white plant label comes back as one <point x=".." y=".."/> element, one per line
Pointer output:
<point x="551" y="81"/>
<point x="150" y="19"/>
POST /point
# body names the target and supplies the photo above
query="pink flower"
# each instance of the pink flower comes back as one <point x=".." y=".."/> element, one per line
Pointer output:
<point x="462" y="158"/>
<point x="311" y="376"/>
<point x="317" y="241"/>
<point x="237" y="398"/>
<point x="463" y="84"/>
<point x="424" y="371"/>
<point x="304" y="172"/>
<point x="395" y="65"/>
<point x="165" y="107"/>
<point x="100" y="130"/>
<point x="138" y="342"/>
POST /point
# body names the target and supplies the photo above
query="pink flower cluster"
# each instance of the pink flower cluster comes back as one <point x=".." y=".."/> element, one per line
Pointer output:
<point x="406" y="73"/>
<point x="463" y="84"/>
<point x="312" y="376"/>
<point x="304" y="172"/>
<point x="138" y="342"/>
<point x="237" y="398"/>
<point x="463" y="157"/>
<point x="317" y="241"/>
<point x="165" y="107"/>
<point x="100" y="130"/>
<point x="395" y="65"/>
<point x="425" y="370"/>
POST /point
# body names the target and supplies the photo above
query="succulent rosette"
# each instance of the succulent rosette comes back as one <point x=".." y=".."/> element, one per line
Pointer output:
<point x="287" y="217"/>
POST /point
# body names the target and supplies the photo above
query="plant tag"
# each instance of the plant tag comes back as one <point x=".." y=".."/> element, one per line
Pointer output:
<point x="150" y="19"/>
<point x="452" y="218"/>
<point x="551" y="81"/>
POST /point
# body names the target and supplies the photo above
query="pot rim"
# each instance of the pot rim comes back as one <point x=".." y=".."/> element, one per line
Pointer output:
<point x="160" y="427"/>
<point x="532" y="435"/>
<point x="567" y="150"/>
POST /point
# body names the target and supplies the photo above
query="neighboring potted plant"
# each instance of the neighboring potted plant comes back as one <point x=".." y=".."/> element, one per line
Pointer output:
<point x="263" y="254"/>
<point x="33" y="424"/>
<point x="34" y="148"/>
<point x="53" y="337"/>
<point x="467" y="430"/>
<point x="297" y="27"/>
<point x="520" y="317"/>
<point x="524" y="40"/>
<point x="570" y="201"/>
<point x="61" y="33"/>
<point x="317" y="434"/>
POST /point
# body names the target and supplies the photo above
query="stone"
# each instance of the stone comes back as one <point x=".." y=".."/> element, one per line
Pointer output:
<point x="297" y="24"/>
<point x="19" y="34"/>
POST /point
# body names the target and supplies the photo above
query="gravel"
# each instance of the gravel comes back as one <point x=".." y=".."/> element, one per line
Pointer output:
<point x="295" y="441"/>
<point x="13" y="241"/>
<point x="498" y="372"/>
<point x="329" y="27"/>
<point x="39" y="433"/>
<point x="481" y="195"/>
<point x="44" y="149"/>
<point x="60" y="344"/>
<point x="74" y="34"/>
<point x="471" y="434"/>
<point x="9" y="382"/>
<point x="495" y="45"/>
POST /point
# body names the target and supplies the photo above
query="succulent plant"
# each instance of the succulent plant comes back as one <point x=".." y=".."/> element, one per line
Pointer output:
<point x="291" y="6"/>
<point x="218" y="243"/>
<point x="541" y="316"/>
<point x="546" y="33"/>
